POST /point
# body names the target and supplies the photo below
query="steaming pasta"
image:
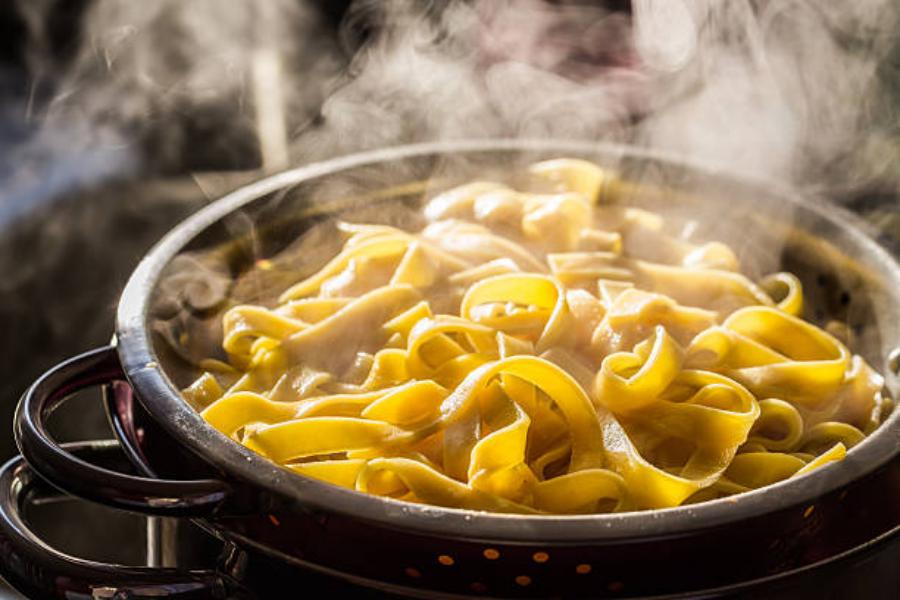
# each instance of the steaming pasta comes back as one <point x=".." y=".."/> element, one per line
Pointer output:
<point x="518" y="355"/>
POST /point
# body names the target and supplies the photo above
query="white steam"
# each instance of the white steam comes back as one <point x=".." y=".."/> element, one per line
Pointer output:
<point x="488" y="69"/>
<point x="163" y="86"/>
<point x="784" y="89"/>
<point x="790" y="89"/>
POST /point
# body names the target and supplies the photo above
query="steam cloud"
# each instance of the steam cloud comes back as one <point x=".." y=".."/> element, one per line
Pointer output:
<point x="784" y="89"/>
<point x="789" y="89"/>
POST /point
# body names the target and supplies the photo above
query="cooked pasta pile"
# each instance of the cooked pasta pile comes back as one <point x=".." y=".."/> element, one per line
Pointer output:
<point x="538" y="353"/>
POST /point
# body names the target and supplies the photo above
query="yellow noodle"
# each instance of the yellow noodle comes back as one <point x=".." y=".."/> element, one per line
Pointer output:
<point x="784" y="419"/>
<point x="538" y="351"/>
<point x="540" y="292"/>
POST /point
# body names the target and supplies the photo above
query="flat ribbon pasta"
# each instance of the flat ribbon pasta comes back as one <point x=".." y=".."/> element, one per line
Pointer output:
<point x="647" y="390"/>
<point x="537" y="351"/>
<point x="527" y="302"/>
<point x="775" y="354"/>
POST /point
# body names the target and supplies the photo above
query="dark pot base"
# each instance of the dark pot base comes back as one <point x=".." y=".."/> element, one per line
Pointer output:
<point x="727" y="556"/>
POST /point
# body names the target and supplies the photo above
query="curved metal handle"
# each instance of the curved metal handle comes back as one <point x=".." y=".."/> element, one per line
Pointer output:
<point x="50" y="460"/>
<point x="40" y="571"/>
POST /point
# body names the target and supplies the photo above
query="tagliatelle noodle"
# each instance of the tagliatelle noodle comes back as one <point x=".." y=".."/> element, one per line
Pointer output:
<point x="522" y="354"/>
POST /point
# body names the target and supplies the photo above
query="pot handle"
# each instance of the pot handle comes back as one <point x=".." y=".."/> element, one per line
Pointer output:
<point x="39" y="571"/>
<point x="73" y="475"/>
